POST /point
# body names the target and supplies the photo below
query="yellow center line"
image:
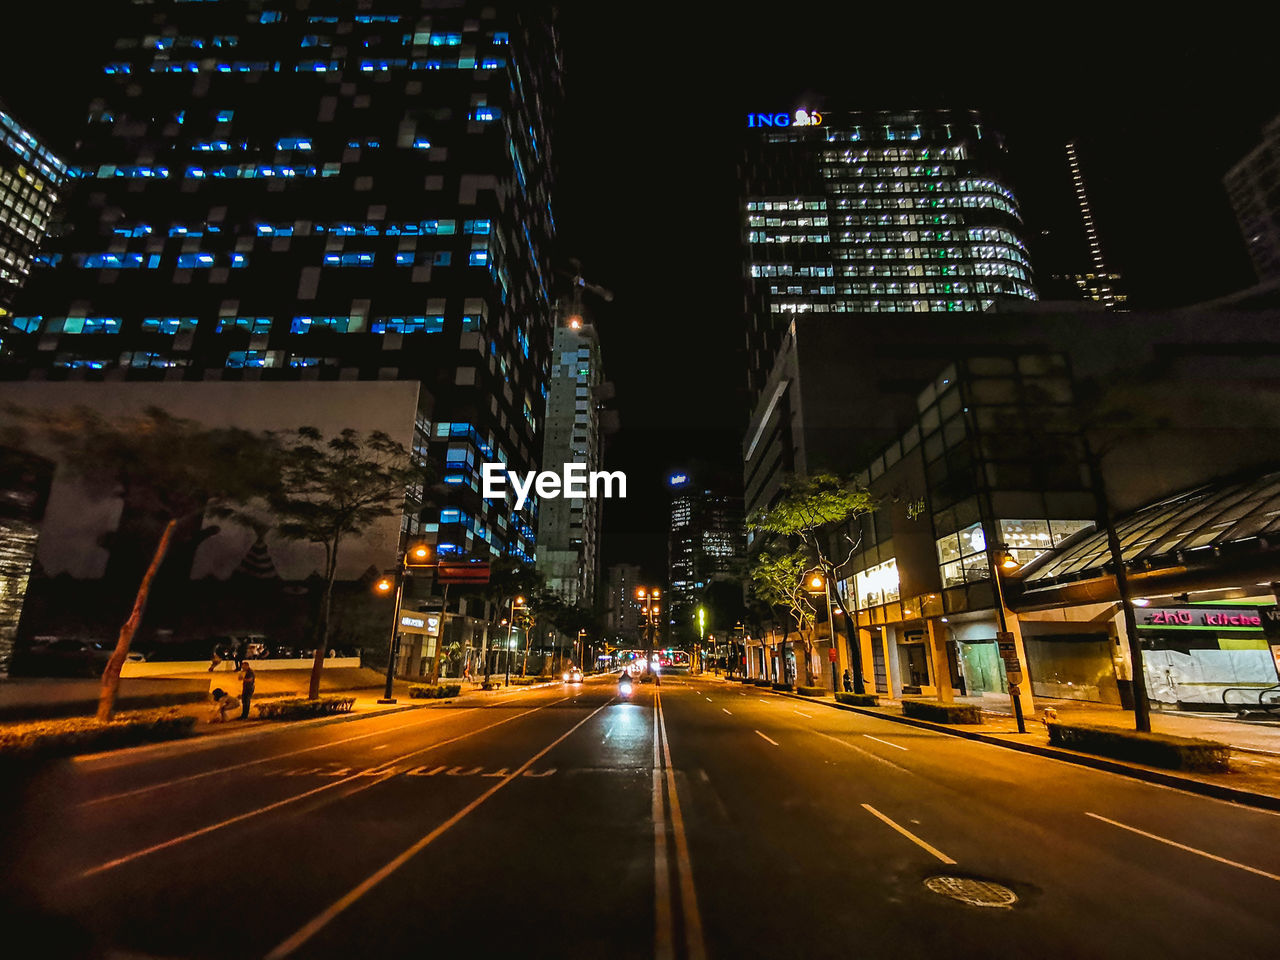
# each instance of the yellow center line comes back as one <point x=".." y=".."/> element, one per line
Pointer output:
<point x="695" y="947"/>
<point x="663" y="936"/>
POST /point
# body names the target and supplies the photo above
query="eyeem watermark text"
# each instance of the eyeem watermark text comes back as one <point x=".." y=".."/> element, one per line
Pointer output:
<point x="575" y="482"/>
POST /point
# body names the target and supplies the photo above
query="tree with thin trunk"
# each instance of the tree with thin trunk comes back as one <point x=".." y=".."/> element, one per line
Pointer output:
<point x="170" y="470"/>
<point x="808" y="510"/>
<point x="779" y="579"/>
<point x="333" y="490"/>
<point x="508" y="578"/>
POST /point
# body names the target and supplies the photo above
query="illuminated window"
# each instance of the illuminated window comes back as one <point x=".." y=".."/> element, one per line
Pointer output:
<point x="306" y="324"/>
<point x="168" y="325"/>
<point x="249" y="324"/>
<point x="237" y="359"/>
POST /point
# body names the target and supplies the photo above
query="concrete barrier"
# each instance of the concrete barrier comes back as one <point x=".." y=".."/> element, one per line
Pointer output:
<point x="173" y="668"/>
<point x="35" y="697"/>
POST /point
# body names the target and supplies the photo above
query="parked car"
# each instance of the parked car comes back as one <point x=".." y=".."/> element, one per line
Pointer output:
<point x="73" y="657"/>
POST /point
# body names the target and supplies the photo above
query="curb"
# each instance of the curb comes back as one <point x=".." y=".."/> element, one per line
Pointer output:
<point x="195" y="744"/>
<point x="1231" y="794"/>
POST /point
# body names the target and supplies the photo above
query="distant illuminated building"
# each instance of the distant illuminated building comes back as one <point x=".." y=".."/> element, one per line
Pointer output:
<point x="1253" y="188"/>
<point x="874" y="212"/>
<point x="622" y="610"/>
<point x="707" y="536"/>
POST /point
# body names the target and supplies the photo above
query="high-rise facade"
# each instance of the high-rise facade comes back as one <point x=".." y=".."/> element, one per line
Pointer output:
<point x="1253" y="188"/>
<point x="569" y="528"/>
<point x="31" y="180"/>
<point x="707" y="536"/>
<point x="622" y="609"/>
<point x="275" y="191"/>
<point x="874" y="212"/>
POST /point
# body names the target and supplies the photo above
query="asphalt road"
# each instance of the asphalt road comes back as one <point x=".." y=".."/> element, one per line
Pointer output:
<point x="698" y="820"/>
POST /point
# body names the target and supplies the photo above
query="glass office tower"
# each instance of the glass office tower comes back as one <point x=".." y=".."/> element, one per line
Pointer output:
<point x="874" y="212"/>
<point x="31" y="179"/>
<point x="325" y="191"/>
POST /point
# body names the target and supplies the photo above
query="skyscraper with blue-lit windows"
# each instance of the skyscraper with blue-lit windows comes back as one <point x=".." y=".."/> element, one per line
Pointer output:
<point x="873" y="211"/>
<point x="270" y="190"/>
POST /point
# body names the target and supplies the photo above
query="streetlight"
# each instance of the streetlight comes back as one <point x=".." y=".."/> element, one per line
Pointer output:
<point x="1001" y="558"/>
<point x="650" y="609"/>
<point x="702" y="631"/>
<point x="417" y="555"/>
<point x="816" y="582"/>
<point x="511" y="645"/>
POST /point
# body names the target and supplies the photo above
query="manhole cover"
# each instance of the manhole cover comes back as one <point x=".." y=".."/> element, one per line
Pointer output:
<point x="976" y="893"/>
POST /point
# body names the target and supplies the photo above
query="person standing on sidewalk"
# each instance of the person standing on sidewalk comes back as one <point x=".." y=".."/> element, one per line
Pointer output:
<point x="248" y="681"/>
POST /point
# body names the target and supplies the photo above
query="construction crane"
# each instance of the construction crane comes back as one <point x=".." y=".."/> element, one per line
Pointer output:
<point x="572" y="309"/>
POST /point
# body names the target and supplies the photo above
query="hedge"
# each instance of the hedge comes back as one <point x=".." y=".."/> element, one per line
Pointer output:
<point x="941" y="712"/>
<point x="784" y="687"/>
<point x="44" y="740"/>
<point x="1153" y="749"/>
<point x="762" y="683"/>
<point x="490" y="684"/>
<point x="299" y="708"/>
<point x="858" y="699"/>
<point x="434" y="691"/>
<point x="811" y="691"/>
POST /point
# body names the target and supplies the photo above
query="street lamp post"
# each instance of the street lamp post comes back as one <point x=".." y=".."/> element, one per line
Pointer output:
<point x="815" y="581"/>
<point x="650" y="608"/>
<point x="511" y="622"/>
<point x="415" y="556"/>
<point x="1014" y="673"/>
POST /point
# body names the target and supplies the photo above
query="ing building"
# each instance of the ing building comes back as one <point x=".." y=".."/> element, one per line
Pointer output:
<point x="622" y="610"/>
<point x="569" y="528"/>
<point x="1253" y="188"/>
<point x="707" y="537"/>
<point x="874" y="212"/>
<point x="325" y="192"/>
<point x="31" y="182"/>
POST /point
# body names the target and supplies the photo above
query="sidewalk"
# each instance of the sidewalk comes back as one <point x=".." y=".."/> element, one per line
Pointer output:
<point x="1255" y="761"/>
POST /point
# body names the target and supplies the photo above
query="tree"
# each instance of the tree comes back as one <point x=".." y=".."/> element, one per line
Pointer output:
<point x="509" y="578"/>
<point x="171" y="470"/>
<point x="808" y="510"/>
<point x="779" y="582"/>
<point x="332" y="490"/>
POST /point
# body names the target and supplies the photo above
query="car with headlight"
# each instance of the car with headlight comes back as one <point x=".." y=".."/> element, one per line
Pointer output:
<point x="572" y="675"/>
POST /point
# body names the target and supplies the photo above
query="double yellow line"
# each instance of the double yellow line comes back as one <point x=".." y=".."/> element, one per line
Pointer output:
<point x="666" y="813"/>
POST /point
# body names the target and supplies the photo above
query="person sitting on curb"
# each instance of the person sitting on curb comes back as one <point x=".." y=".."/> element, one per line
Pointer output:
<point x="223" y="704"/>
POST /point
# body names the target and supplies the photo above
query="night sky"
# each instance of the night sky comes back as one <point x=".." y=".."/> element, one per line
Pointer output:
<point x="647" y="196"/>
